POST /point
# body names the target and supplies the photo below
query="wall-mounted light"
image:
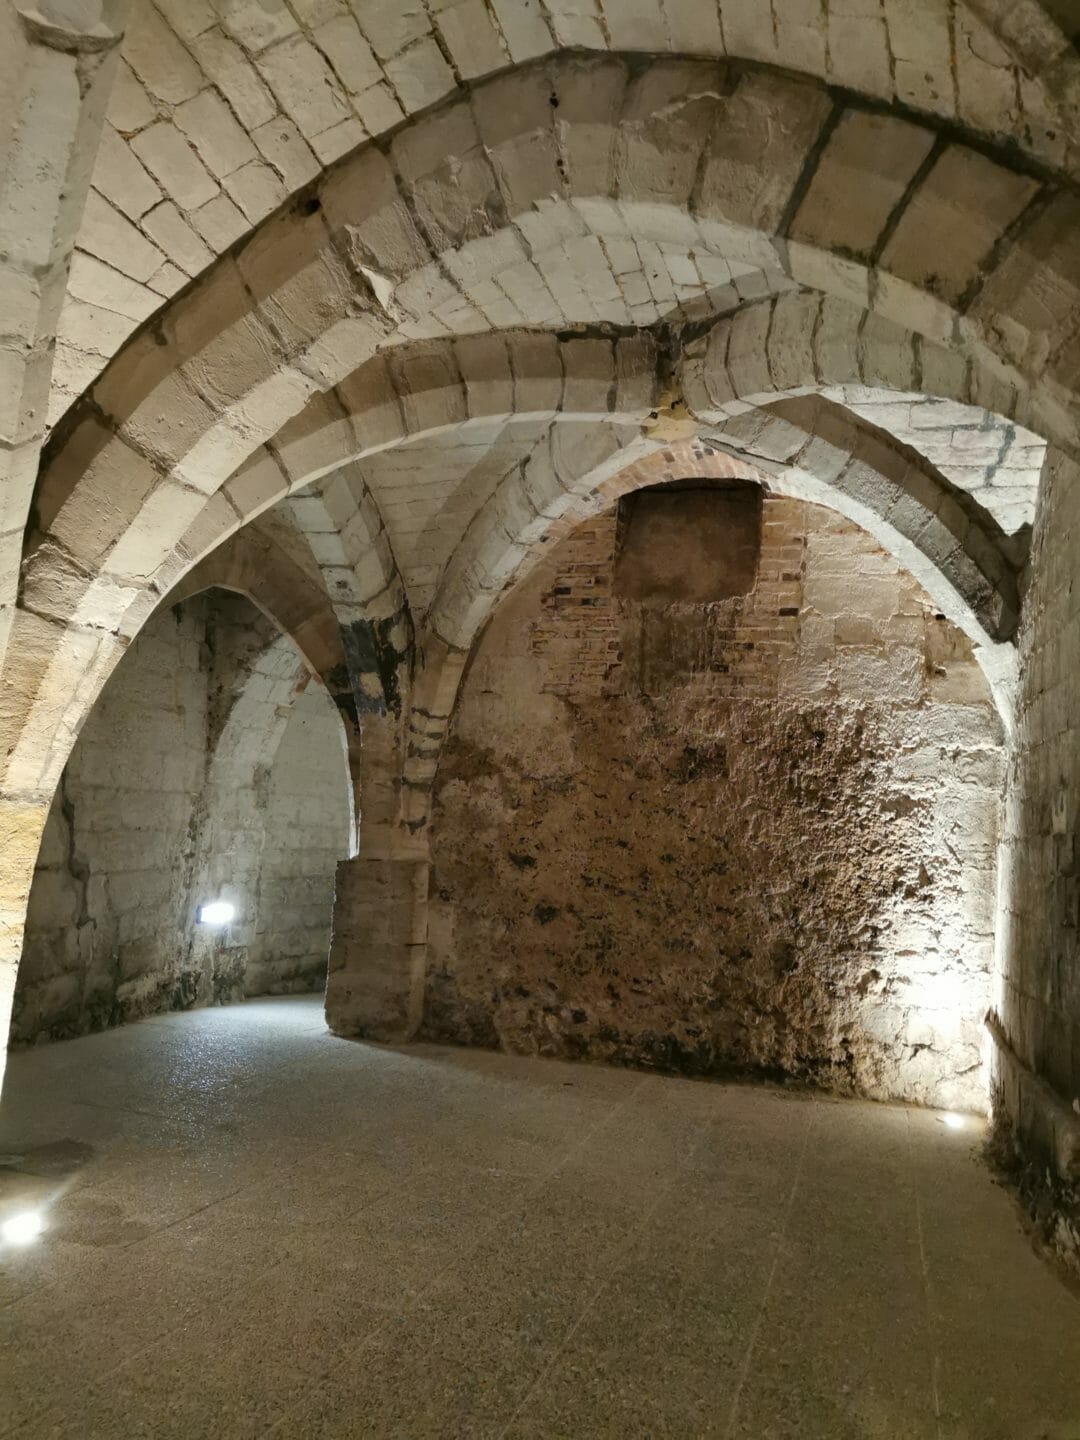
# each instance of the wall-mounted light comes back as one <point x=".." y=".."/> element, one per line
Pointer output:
<point x="215" y="912"/>
<point x="23" y="1228"/>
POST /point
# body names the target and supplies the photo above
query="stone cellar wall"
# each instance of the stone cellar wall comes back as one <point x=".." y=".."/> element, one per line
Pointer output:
<point x="306" y="834"/>
<point x="106" y="923"/>
<point x="145" y="824"/>
<point x="1037" y="1059"/>
<point x="753" y="834"/>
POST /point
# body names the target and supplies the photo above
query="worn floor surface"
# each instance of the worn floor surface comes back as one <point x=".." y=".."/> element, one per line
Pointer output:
<point x="255" y="1228"/>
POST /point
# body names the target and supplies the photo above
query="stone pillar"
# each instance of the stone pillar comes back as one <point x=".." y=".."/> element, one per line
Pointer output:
<point x="378" y="952"/>
<point x="48" y="683"/>
<point x="375" y="986"/>
<point x="1035" y="1059"/>
<point x="21" y="828"/>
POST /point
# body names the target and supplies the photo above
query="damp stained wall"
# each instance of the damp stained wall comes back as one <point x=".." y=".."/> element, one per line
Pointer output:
<point x="751" y="834"/>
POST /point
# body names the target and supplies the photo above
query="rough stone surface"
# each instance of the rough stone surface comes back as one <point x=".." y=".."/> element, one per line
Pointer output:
<point x="1036" y="1060"/>
<point x="757" y="834"/>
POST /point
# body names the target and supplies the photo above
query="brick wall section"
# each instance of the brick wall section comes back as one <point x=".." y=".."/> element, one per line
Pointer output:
<point x="768" y="845"/>
<point x="577" y="639"/>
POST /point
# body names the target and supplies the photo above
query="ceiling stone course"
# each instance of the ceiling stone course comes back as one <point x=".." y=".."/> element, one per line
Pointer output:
<point x="220" y="112"/>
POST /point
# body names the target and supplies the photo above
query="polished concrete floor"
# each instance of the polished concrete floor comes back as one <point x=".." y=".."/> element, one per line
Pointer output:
<point x="257" y="1229"/>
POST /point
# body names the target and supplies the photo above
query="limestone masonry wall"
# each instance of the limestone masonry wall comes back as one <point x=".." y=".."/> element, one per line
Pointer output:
<point x="106" y="923"/>
<point x="185" y="784"/>
<point x="756" y="833"/>
<point x="1037" y="1061"/>
<point x="306" y="834"/>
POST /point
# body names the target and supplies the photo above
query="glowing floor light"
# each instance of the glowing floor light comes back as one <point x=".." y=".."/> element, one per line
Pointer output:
<point x="22" y="1229"/>
<point x="215" y="912"/>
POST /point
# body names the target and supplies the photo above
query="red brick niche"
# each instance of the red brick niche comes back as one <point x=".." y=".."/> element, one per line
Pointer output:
<point x="749" y="833"/>
<point x="598" y="617"/>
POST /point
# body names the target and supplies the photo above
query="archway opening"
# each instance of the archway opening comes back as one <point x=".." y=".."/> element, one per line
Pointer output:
<point x="211" y="771"/>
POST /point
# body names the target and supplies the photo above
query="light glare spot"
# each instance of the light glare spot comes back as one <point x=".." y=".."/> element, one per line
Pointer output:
<point x="216" y="912"/>
<point x="953" y="1121"/>
<point x="22" y="1229"/>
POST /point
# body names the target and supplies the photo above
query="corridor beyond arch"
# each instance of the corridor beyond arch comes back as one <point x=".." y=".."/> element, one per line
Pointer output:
<point x="212" y="769"/>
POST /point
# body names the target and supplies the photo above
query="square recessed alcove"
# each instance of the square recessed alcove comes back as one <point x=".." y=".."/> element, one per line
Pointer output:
<point x="688" y="543"/>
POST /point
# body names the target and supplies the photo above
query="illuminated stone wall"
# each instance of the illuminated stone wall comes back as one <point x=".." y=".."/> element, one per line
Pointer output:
<point x="755" y="833"/>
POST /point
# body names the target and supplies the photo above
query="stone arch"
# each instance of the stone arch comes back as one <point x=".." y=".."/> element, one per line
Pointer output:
<point x="614" y="379"/>
<point x="949" y="543"/>
<point x="250" y="730"/>
<point x="318" y="289"/>
<point x="255" y="565"/>
<point x="386" y="250"/>
<point x="595" y="389"/>
<point x="607" y="387"/>
<point x="58" y="61"/>
<point x="997" y="70"/>
<point x="828" y="457"/>
<point x="306" y="645"/>
<point x="801" y="444"/>
<point x="958" y="551"/>
<point x="244" y="745"/>
<point x="303" y="646"/>
<point x="806" y="448"/>
<point x="548" y="373"/>
<point x="347" y="536"/>
<point x="175" y="798"/>
<point x="962" y="559"/>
